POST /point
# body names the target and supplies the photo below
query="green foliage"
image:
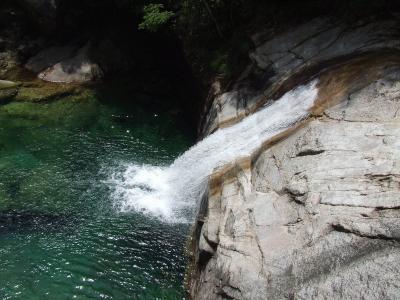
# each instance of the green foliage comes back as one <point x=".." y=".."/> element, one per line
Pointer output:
<point x="219" y="64"/>
<point x="215" y="35"/>
<point x="154" y="16"/>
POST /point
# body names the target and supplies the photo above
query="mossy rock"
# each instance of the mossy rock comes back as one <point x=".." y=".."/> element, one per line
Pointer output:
<point x="8" y="90"/>
<point x="8" y="61"/>
<point x="44" y="93"/>
<point x="77" y="110"/>
<point x="6" y="84"/>
<point x="33" y="89"/>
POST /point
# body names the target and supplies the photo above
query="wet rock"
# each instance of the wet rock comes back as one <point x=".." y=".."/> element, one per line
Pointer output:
<point x="316" y="45"/>
<point x="315" y="213"/>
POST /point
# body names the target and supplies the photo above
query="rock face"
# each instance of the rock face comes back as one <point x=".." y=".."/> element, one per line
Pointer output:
<point x="316" y="213"/>
<point x="318" y="43"/>
<point x="43" y="12"/>
<point x="65" y="64"/>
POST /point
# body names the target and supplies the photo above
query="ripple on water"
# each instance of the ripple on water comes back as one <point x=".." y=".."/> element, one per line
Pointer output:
<point x="60" y="236"/>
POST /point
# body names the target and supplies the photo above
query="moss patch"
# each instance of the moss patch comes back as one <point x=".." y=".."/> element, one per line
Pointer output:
<point x="29" y="88"/>
<point x="70" y="111"/>
<point x="44" y="93"/>
<point x="8" y="89"/>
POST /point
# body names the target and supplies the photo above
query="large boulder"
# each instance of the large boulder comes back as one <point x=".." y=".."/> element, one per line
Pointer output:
<point x="49" y="57"/>
<point x="65" y="64"/>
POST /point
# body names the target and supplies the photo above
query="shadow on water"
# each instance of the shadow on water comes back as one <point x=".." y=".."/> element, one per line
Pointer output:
<point x="29" y="221"/>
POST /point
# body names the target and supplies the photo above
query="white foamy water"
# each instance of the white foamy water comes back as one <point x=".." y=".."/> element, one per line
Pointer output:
<point x="172" y="193"/>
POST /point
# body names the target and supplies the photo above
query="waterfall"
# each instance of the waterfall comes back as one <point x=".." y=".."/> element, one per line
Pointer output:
<point x="171" y="193"/>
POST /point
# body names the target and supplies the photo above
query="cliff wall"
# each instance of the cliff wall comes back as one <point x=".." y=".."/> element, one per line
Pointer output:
<point x="314" y="213"/>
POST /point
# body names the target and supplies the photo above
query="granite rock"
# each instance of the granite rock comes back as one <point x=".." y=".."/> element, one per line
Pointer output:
<point x="316" y="213"/>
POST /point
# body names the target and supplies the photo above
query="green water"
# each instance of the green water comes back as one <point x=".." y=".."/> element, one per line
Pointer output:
<point x="60" y="235"/>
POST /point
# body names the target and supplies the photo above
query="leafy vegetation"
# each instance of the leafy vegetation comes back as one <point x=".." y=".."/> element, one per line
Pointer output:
<point x="216" y="33"/>
<point x="154" y="16"/>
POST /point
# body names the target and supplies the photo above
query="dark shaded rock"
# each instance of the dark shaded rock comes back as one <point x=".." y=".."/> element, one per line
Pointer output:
<point x="49" y="57"/>
<point x="42" y="12"/>
<point x="65" y="64"/>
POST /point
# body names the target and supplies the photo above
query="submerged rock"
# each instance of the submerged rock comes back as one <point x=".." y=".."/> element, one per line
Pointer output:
<point x="29" y="221"/>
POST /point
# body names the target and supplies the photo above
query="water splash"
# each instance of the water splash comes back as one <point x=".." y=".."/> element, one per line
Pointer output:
<point x="171" y="193"/>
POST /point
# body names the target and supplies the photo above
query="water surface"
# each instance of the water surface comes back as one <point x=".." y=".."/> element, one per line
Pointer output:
<point x="61" y="236"/>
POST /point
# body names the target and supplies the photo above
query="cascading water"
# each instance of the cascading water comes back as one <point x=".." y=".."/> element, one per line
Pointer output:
<point x="171" y="192"/>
